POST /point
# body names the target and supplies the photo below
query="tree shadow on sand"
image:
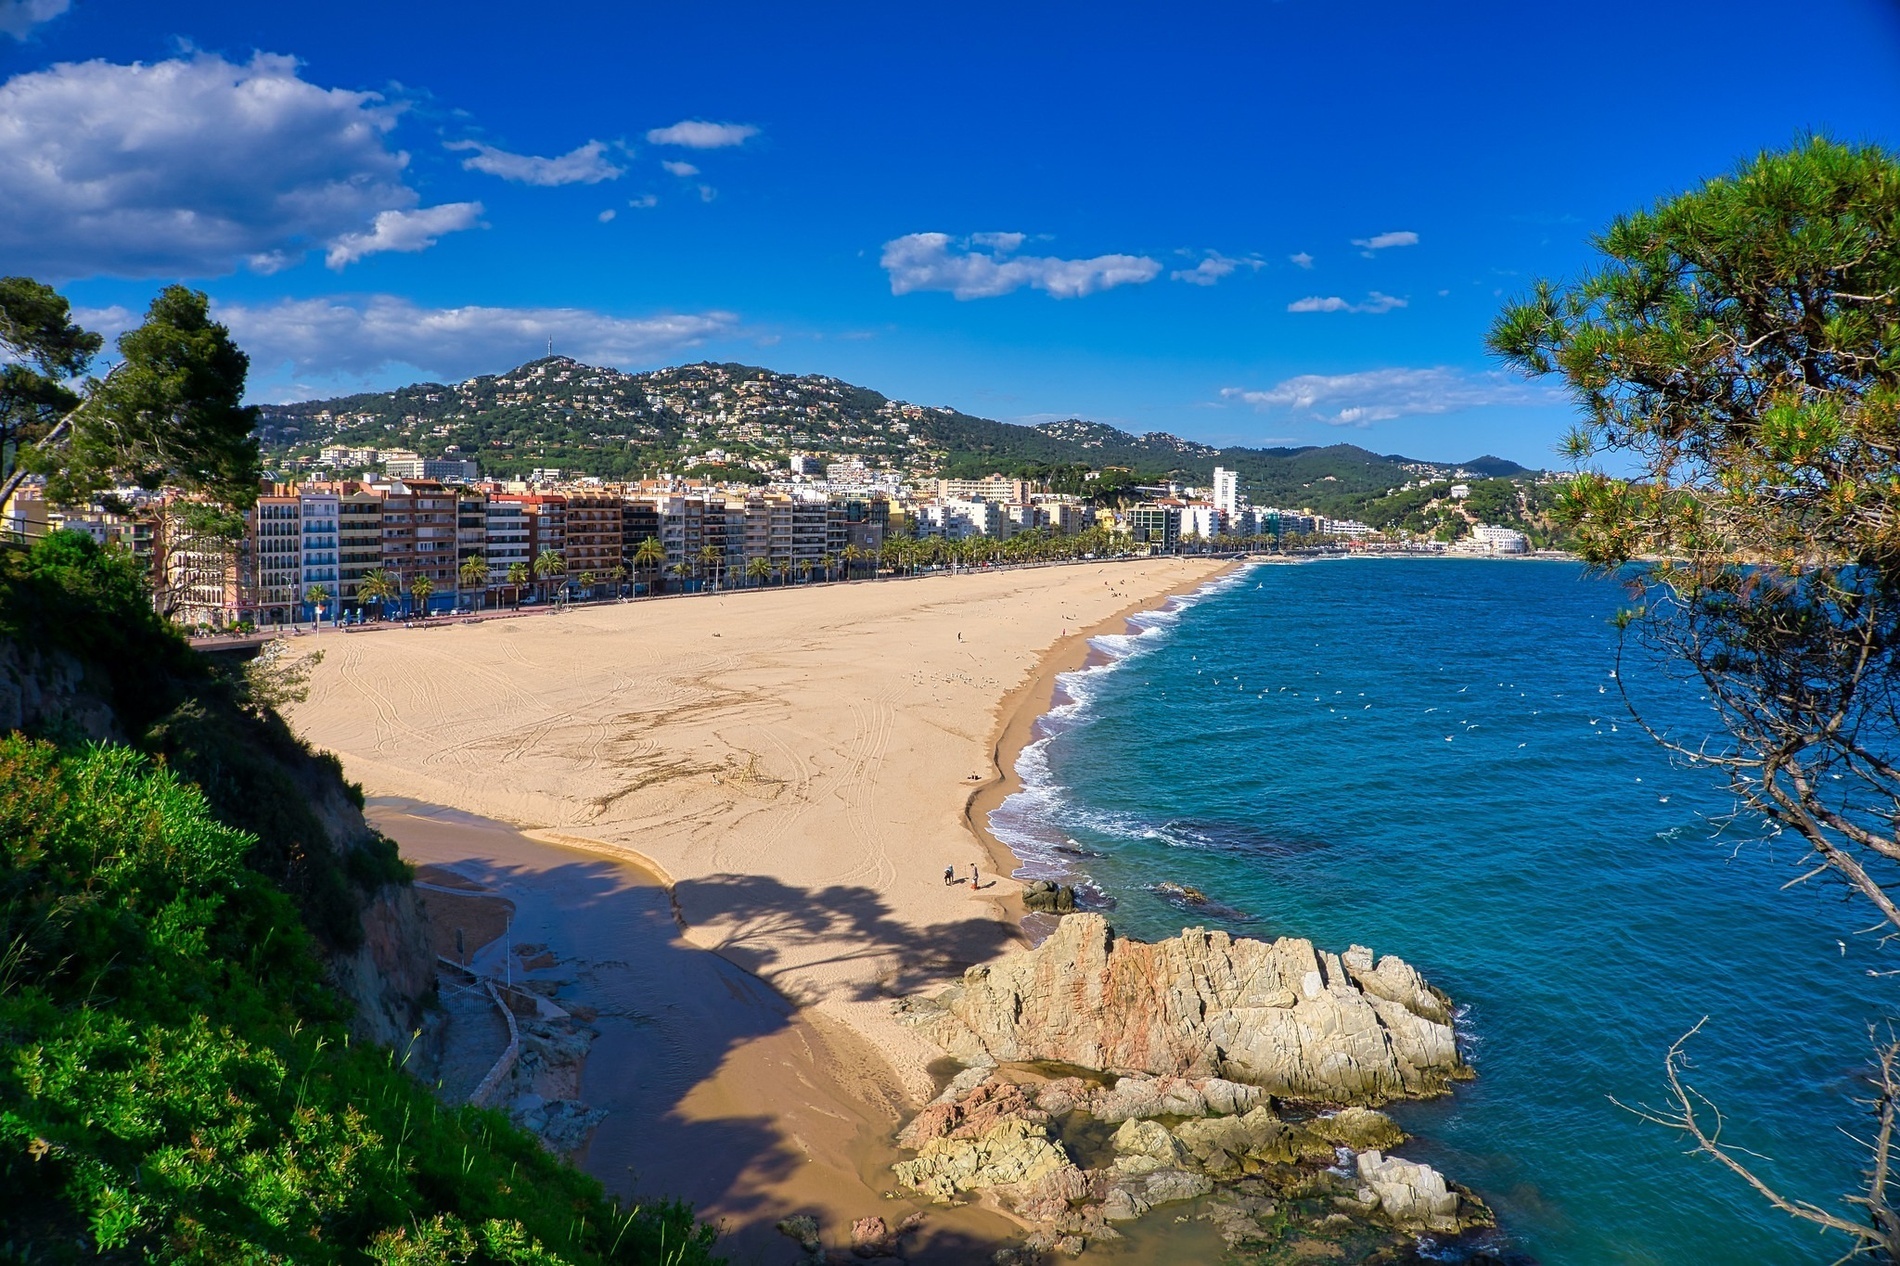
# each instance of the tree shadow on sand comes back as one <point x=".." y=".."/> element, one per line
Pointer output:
<point x="669" y="1015"/>
<point x="766" y="925"/>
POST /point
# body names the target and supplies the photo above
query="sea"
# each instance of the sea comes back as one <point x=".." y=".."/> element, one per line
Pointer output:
<point x="1433" y="758"/>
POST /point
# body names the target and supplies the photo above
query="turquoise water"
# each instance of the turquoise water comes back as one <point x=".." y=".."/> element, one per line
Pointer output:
<point x="1430" y="758"/>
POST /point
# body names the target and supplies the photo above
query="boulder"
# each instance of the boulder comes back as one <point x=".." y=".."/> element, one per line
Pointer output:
<point x="1415" y="1197"/>
<point x="1143" y="1097"/>
<point x="1049" y="897"/>
<point x="1278" y="1015"/>
<point x="1008" y="1152"/>
<point x="1360" y="1129"/>
<point x="1226" y="1146"/>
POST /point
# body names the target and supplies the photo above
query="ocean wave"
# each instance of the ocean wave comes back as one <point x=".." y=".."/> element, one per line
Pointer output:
<point x="1031" y="820"/>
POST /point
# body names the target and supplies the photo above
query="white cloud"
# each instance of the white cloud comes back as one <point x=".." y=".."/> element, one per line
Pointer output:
<point x="585" y="165"/>
<point x="699" y="134"/>
<point x="331" y="336"/>
<point x="935" y="261"/>
<point x="1301" y="260"/>
<point x="707" y="193"/>
<point x="607" y="216"/>
<point x="680" y="169"/>
<point x="1380" y="241"/>
<point x="17" y="17"/>
<point x="1380" y="395"/>
<point x="644" y="201"/>
<point x="403" y="231"/>
<point x="194" y="165"/>
<point x="1375" y="303"/>
<point x="1213" y="268"/>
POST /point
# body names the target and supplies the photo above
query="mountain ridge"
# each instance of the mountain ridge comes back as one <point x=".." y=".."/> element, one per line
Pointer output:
<point x="722" y="418"/>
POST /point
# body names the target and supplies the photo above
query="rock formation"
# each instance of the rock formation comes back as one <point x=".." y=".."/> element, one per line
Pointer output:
<point x="1049" y="897"/>
<point x="1280" y="1015"/>
<point x="1215" y="1059"/>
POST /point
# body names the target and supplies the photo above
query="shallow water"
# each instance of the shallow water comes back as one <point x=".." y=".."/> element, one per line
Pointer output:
<point x="1430" y="758"/>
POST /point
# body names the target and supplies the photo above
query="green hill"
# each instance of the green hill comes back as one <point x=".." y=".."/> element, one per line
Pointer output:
<point x="724" y="418"/>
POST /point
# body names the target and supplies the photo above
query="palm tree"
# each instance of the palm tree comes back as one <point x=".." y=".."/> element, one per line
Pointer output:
<point x="850" y="554"/>
<point x="682" y="570"/>
<point x="517" y="576"/>
<point x="474" y="576"/>
<point x="549" y="563"/>
<point x="420" y="588"/>
<point x="804" y="569"/>
<point x="758" y="571"/>
<point x="782" y="566"/>
<point x="379" y="587"/>
<point x="650" y="554"/>
<point x="318" y="597"/>
<point x="618" y="575"/>
<point x="587" y="584"/>
<point x="828" y="563"/>
<point x="710" y="556"/>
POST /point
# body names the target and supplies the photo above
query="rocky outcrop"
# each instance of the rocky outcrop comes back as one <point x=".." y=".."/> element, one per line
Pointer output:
<point x="1414" y="1197"/>
<point x="1279" y="1015"/>
<point x="991" y="1135"/>
<point x="1049" y="897"/>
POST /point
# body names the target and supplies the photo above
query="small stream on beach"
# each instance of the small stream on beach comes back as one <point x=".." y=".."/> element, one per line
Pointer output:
<point x="1430" y="758"/>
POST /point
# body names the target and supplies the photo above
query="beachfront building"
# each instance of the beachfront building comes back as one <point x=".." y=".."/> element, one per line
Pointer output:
<point x="419" y="536"/>
<point x="547" y="530"/>
<point x="505" y="536"/>
<point x="1155" y="524"/>
<point x="359" y="539"/>
<point x="317" y="512"/>
<point x="594" y="536"/>
<point x="203" y="577"/>
<point x="1202" y="520"/>
<point x="276" y="530"/>
<point x="471" y="540"/>
<point x="1489" y="539"/>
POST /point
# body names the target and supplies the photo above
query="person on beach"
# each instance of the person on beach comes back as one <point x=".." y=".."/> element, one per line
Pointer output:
<point x="949" y="875"/>
<point x="973" y="882"/>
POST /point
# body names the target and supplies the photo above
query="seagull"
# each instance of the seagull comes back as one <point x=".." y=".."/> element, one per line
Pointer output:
<point x="1843" y="945"/>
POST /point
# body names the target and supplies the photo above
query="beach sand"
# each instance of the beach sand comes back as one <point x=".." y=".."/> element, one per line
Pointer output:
<point x="796" y="768"/>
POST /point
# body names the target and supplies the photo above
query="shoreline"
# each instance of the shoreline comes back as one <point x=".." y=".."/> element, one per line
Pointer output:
<point x="1021" y="711"/>
<point x="789" y="788"/>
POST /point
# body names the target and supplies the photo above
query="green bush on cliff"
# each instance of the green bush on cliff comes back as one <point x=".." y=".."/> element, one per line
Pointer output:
<point x="170" y="701"/>
<point x="175" y="1082"/>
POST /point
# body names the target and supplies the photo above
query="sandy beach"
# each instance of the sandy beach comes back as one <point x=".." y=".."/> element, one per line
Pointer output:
<point x="792" y="770"/>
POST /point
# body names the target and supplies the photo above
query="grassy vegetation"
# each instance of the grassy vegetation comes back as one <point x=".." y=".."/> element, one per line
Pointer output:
<point x="176" y="1080"/>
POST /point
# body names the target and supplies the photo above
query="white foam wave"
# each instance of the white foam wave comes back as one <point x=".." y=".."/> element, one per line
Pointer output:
<point x="1034" y="821"/>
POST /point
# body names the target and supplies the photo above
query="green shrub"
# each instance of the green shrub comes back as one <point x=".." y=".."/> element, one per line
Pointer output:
<point x="174" y="1081"/>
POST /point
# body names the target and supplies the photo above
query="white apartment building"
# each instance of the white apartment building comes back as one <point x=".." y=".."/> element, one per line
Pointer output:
<point x="1202" y="520"/>
<point x="1499" y="540"/>
<point x="1226" y="497"/>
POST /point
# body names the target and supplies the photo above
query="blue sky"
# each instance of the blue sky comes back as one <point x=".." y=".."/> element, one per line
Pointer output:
<point x="1265" y="223"/>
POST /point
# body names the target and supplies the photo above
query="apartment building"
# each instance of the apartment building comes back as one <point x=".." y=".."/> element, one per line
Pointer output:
<point x="204" y="577"/>
<point x="546" y="517"/>
<point x="276" y="531"/>
<point x="471" y="529"/>
<point x="419" y="535"/>
<point x="359" y="539"/>
<point x="1158" y="525"/>
<point x="993" y="488"/>
<point x="318" y="512"/>
<point x="595" y="532"/>
<point x="505" y="538"/>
